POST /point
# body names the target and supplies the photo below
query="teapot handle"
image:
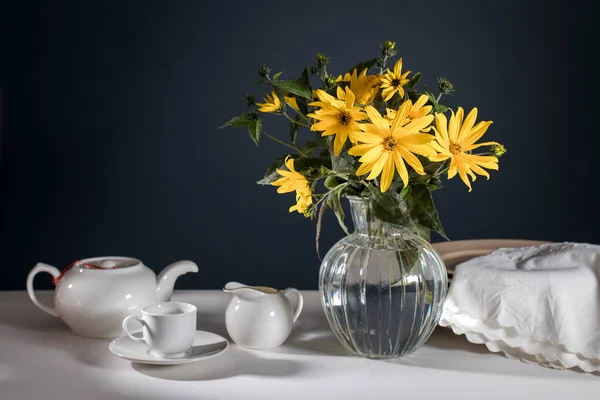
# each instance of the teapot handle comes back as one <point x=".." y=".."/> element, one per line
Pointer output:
<point x="41" y="267"/>
<point x="300" y="304"/>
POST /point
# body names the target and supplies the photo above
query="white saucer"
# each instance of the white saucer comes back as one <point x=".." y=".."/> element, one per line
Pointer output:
<point x="206" y="345"/>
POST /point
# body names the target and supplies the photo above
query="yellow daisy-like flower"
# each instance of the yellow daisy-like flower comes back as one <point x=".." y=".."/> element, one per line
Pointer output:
<point x="291" y="181"/>
<point x="303" y="202"/>
<point x="392" y="82"/>
<point x="455" y="139"/>
<point x="386" y="147"/>
<point x="271" y="104"/>
<point x="291" y="101"/>
<point x="363" y="86"/>
<point x="418" y="110"/>
<point x="337" y="117"/>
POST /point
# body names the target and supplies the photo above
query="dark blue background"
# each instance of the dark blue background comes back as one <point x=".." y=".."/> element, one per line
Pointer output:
<point x="109" y="141"/>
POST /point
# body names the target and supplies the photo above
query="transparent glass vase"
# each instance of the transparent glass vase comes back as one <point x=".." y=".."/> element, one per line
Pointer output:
<point x="382" y="287"/>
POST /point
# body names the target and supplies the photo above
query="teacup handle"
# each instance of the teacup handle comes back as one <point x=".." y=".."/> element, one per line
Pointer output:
<point x="300" y="301"/>
<point x="126" y="321"/>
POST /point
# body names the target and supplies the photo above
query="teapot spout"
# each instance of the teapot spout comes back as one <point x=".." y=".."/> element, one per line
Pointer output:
<point x="166" y="279"/>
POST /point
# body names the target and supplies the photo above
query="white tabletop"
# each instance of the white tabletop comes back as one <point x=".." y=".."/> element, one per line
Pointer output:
<point x="41" y="359"/>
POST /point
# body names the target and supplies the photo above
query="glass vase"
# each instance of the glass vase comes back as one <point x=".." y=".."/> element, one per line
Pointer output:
<point x="382" y="287"/>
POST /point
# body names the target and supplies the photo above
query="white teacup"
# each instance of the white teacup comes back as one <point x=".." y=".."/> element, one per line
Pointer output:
<point x="168" y="328"/>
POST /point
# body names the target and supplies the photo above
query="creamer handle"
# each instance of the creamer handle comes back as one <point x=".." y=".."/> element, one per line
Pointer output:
<point x="300" y="301"/>
<point x="41" y="267"/>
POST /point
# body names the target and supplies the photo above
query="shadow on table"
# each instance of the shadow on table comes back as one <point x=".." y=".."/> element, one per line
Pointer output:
<point x="234" y="362"/>
<point x="310" y="335"/>
<point x="32" y="319"/>
<point x="460" y="355"/>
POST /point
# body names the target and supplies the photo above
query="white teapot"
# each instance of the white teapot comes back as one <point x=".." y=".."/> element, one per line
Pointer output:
<point x="94" y="295"/>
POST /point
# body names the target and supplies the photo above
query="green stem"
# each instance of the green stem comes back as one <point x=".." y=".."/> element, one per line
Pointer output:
<point x="284" y="143"/>
<point x="437" y="100"/>
<point x="383" y="63"/>
<point x="304" y="117"/>
<point x="338" y="187"/>
<point x="294" y="121"/>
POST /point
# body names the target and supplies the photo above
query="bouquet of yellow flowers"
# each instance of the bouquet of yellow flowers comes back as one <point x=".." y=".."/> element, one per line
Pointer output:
<point x="376" y="137"/>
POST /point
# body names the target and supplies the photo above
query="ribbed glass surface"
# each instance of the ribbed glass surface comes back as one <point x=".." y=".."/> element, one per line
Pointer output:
<point x="382" y="287"/>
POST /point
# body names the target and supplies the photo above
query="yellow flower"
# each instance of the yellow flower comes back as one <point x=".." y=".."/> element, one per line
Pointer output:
<point x="337" y="117"/>
<point x="418" y="110"/>
<point x="456" y="139"/>
<point x="271" y="104"/>
<point x="293" y="180"/>
<point x="392" y="82"/>
<point x="385" y="147"/>
<point x="291" y="101"/>
<point x="303" y="202"/>
<point x="363" y="86"/>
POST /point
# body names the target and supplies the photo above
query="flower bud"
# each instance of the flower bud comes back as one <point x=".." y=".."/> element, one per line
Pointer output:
<point x="321" y="61"/>
<point x="434" y="183"/>
<point x="445" y="86"/>
<point x="264" y="70"/>
<point x="387" y="48"/>
<point x="329" y="82"/>
<point x="497" y="149"/>
<point x="310" y="211"/>
<point x="249" y="100"/>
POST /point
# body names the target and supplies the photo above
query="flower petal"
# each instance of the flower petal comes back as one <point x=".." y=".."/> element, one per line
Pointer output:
<point x="387" y="175"/>
<point x="377" y="119"/>
<point x="401" y="167"/>
<point x="466" y="127"/>
<point x="373" y="154"/>
<point x="378" y="166"/>
<point x="412" y="160"/>
<point x="361" y="149"/>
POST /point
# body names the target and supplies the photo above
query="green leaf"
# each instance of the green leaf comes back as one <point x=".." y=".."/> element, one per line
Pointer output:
<point x="254" y="129"/>
<point x="378" y="102"/>
<point x="319" y="225"/>
<point x="406" y="192"/>
<point x="271" y="174"/>
<point x="243" y="119"/>
<point x="344" y="162"/>
<point x="395" y="102"/>
<point x="414" y="80"/>
<point x="308" y="147"/>
<point x="423" y="211"/>
<point x="277" y="75"/>
<point x="414" y="95"/>
<point x="305" y="78"/>
<point x="338" y="210"/>
<point x="295" y="87"/>
<point x="438" y="108"/>
<point x="302" y="102"/>
<point x="302" y="105"/>
<point x="331" y="182"/>
<point x="268" y="179"/>
<point x="431" y="96"/>
<point x="305" y="163"/>
<point x="388" y="206"/>
<point x="361" y="66"/>
<point x="294" y="129"/>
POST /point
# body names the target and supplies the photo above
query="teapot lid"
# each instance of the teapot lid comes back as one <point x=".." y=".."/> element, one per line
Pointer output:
<point x="109" y="263"/>
<point x="100" y="263"/>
